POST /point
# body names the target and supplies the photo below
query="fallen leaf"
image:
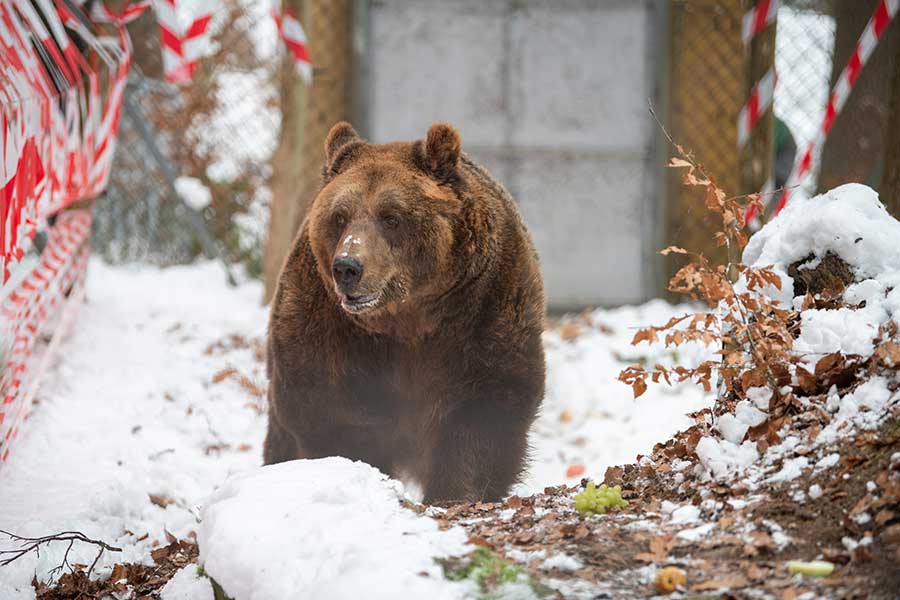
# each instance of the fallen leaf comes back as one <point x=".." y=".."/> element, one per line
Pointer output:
<point x="733" y="581"/>
<point x="569" y="331"/>
<point x="224" y="374"/>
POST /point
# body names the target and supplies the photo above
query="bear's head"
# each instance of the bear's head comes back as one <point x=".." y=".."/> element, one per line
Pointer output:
<point x="387" y="222"/>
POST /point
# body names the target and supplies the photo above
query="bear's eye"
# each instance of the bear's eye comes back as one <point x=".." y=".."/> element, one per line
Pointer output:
<point x="340" y="220"/>
<point x="390" y="221"/>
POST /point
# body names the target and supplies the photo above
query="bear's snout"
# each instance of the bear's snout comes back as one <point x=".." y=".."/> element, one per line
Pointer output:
<point x="347" y="271"/>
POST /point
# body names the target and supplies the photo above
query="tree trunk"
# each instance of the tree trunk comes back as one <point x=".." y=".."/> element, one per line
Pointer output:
<point x="889" y="189"/>
<point x="855" y="147"/>
<point x="758" y="155"/>
<point x="144" y="33"/>
<point x="307" y="113"/>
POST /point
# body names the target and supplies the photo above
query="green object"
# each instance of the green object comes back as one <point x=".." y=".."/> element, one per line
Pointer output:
<point x="816" y="568"/>
<point x="485" y="569"/>
<point x="782" y="134"/>
<point x="597" y="500"/>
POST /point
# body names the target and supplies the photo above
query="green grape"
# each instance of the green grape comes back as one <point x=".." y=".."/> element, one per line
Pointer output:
<point x="597" y="500"/>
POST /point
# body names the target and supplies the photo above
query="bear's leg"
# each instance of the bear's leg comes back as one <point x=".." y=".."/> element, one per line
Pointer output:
<point x="479" y="455"/>
<point x="280" y="445"/>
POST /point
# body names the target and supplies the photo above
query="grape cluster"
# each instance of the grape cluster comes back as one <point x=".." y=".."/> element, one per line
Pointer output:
<point x="597" y="500"/>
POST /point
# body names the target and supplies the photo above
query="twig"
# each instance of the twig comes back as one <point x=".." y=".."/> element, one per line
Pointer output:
<point x="27" y="544"/>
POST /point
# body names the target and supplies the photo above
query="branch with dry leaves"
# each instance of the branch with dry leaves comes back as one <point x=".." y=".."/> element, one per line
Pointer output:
<point x="27" y="545"/>
<point x="753" y="334"/>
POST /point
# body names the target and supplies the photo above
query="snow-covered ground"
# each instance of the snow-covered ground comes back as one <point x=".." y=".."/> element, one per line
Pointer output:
<point x="157" y="397"/>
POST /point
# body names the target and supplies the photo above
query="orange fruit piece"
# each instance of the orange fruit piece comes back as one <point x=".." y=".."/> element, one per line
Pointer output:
<point x="574" y="470"/>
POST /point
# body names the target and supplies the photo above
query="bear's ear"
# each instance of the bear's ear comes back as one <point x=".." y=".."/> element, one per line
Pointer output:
<point x="442" y="148"/>
<point x="340" y="143"/>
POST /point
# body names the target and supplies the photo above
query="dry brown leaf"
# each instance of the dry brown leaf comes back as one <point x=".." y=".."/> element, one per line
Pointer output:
<point x="161" y="500"/>
<point x="224" y="374"/>
<point x="569" y="331"/>
<point x="733" y="581"/>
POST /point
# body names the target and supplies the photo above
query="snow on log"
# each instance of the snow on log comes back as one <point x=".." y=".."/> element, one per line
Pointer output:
<point x="326" y="528"/>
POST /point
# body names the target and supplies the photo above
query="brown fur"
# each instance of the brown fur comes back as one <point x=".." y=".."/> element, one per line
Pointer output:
<point x="440" y="380"/>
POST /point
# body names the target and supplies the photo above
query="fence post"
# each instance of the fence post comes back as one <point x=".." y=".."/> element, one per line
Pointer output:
<point x="308" y="112"/>
<point x="757" y="156"/>
<point x="889" y="189"/>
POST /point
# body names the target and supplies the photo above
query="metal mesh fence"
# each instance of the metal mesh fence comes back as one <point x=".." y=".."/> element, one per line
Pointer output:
<point x="217" y="135"/>
<point x="804" y="48"/>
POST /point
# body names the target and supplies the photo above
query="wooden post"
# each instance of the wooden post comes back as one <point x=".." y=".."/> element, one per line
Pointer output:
<point x="307" y="113"/>
<point x="757" y="157"/>
<point x="889" y="189"/>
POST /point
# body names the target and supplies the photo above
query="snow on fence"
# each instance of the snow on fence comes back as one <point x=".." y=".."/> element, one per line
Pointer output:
<point x="61" y="90"/>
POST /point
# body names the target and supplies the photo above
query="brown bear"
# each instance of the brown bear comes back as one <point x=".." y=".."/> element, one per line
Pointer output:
<point x="406" y="326"/>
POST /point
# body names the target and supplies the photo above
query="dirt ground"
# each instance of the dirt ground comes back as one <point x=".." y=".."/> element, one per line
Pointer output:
<point x="741" y="557"/>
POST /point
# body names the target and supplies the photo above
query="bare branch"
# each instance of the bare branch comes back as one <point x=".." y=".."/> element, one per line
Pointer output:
<point x="29" y="544"/>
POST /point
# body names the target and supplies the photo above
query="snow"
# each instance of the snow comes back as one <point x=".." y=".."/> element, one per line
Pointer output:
<point x="563" y="562"/>
<point x="588" y="417"/>
<point x="696" y="534"/>
<point x="747" y="413"/>
<point x="791" y="470"/>
<point x="815" y="491"/>
<point x="193" y="192"/>
<point x="724" y="458"/>
<point x="850" y="222"/>
<point x="129" y="410"/>
<point x="683" y="514"/>
<point x="134" y="406"/>
<point x="828" y="461"/>
<point x="760" y="397"/>
<point x="187" y="584"/>
<point x="321" y="528"/>
<point x="732" y="428"/>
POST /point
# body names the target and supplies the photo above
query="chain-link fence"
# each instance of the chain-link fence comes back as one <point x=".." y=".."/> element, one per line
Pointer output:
<point x="217" y="146"/>
<point x="804" y="48"/>
<point x="202" y="148"/>
<point x="711" y="75"/>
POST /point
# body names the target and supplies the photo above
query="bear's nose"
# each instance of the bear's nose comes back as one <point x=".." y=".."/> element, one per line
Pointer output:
<point x="347" y="271"/>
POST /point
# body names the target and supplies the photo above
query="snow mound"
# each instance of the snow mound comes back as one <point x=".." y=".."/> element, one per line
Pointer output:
<point x="851" y="223"/>
<point x="848" y="221"/>
<point x="326" y="528"/>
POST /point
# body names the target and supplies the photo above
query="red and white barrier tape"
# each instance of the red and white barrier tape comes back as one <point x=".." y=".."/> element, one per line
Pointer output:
<point x="182" y="47"/>
<point x="761" y="97"/>
<point x="291" y="31"/>
<point x="758" y="18"/>
<point x="101" y="14"/>
<point x="30" y="308"/>
<point x="57" y="130"/>
<point x="873" y="32"/>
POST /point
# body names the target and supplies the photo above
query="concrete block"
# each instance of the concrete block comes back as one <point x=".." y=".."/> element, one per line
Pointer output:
<point x="436" y="62"/>
<point x="579" y="76"/>
<point x="584" y="215"/>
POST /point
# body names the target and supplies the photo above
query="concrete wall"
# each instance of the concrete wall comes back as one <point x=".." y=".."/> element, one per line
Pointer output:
<point x="551" y="95"/>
